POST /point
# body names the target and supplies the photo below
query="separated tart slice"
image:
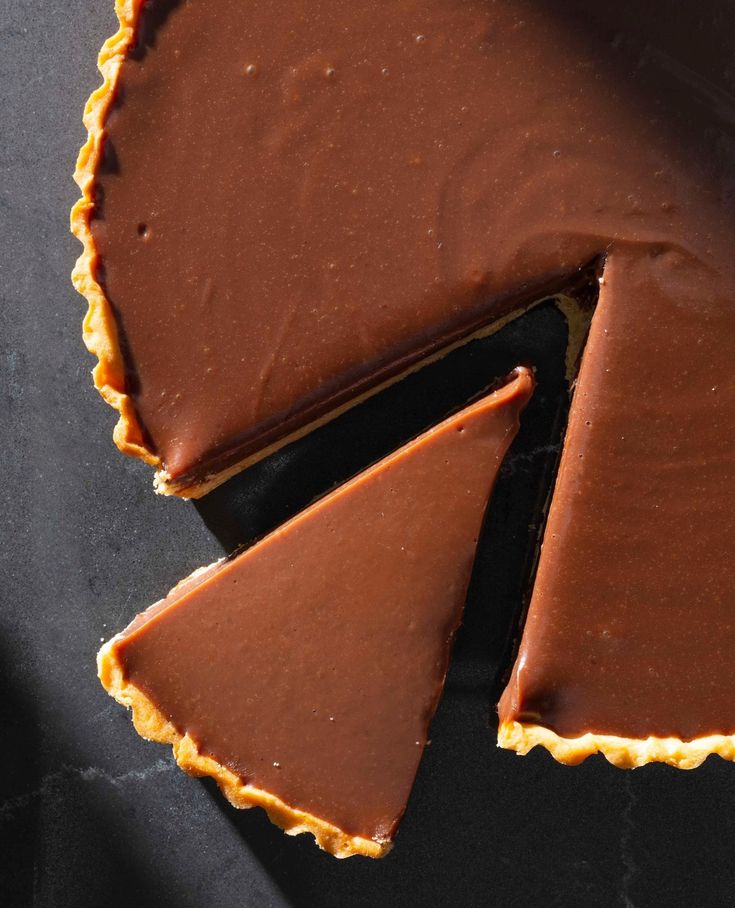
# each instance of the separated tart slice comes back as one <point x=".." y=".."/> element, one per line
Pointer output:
<point x="302" y="674"/>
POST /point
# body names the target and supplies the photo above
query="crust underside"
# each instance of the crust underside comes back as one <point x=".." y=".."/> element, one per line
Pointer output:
<point x="151" y="724"/>
<point x="625" y="753"/>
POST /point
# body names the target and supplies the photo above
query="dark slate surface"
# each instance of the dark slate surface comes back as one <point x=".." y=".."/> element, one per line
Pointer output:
<point x="90" y="815"/>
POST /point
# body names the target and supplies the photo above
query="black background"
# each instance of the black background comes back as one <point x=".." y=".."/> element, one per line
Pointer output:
<point x="90" y="814"/>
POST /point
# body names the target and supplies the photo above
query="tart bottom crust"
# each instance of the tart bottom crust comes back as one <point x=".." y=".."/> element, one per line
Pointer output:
<point x="625" y="753"/>
<point x="150" y="723"/>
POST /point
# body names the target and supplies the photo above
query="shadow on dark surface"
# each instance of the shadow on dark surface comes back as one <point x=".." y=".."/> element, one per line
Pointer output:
<point x="97" y="848"/>
<point x="18" y="779"/>
<point x="485" y="827"/>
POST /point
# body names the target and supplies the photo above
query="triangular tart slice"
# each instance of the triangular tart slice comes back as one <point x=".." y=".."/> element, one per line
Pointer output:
<point x="302" y="674"/>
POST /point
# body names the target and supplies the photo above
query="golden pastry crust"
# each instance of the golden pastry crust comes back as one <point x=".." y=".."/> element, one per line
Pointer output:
<point x="100" y="330"/>
<point x="625" y="753"/>
<point x="150" y="723"/>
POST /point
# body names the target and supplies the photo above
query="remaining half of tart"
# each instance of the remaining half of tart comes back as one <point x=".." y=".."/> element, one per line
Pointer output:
<point x="302" y="674"/>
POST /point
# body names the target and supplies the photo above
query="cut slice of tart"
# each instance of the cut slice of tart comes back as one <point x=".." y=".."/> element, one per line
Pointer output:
<point x="302" y="674"/>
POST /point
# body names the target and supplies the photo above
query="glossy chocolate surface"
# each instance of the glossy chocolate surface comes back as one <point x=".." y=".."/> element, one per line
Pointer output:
<point x="311" y="664"/>
<point x="300" y="201"/>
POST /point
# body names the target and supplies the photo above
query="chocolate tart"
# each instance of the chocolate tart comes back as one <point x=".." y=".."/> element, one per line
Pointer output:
<point x="283" y="211"/>
<point x="302" y="674"/>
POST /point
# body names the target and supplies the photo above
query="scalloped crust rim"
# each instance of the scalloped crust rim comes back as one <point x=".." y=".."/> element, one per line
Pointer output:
<point x="625" y="753"/>
<point x="100" y="329"/>
<point x="151" y="724"/>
